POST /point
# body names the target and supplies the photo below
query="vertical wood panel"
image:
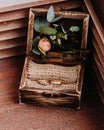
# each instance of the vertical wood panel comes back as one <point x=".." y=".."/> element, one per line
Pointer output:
<point x="96" y="46"/>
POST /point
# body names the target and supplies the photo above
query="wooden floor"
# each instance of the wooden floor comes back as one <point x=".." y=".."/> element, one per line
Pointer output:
<point x="14" y="116"/>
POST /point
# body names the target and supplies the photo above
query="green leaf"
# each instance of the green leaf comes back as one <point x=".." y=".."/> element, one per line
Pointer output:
<point x="35" y="41"/>
<point x="74" y="28"/>
<point x="39" y="22"/>
<point x="35" y="49"/>
<point x="47" y="30"/>
<point x="50" y="14"/>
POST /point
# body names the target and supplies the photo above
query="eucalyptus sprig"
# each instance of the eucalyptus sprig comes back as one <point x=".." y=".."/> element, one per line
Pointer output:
<point x="51" y="15"/>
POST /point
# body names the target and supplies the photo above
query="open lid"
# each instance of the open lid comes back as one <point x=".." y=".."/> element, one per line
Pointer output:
<point x="69" y="18"/>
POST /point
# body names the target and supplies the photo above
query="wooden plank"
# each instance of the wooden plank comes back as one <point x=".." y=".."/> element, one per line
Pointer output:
<point x="99" y="8"/>
<point x="98" y="38"/>
<point x="14" y="6"/>
<point x="95" y="46"/>
<point x="61" y="4"/>
<point x="13" y="24"/>
<point x="66" y="5"/>
<point x="97" y="59"/>
<point x="12" y="43"/>
<point x="13" y="15"/>
<point x="13" y="34"/>
<point x="8" y="65"/>
<point x="10" y="73"/>
<point x="6" y="3"/>
<point x="22" y="13"/>
<point x="94" y="40"/>
<point x="100" y="91"/>
<point x="12" y="52"/>
<point x="96" y="78"/>
<point x="95" y="19"/>
<point x="100" y="67"/>
<point x="97" y="74"/>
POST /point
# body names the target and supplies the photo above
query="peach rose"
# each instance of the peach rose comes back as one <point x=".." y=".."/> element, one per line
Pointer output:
<point x="45" y="44"/>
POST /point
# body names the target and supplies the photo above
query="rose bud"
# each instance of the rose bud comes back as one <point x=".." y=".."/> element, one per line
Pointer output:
<point x="45" y="44"/>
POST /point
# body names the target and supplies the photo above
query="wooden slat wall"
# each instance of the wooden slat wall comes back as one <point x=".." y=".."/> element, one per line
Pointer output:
<point x="13" y="27"/>
<point x="13" y="24"/>
<point x="96" y="45"/>
<point x="99" y="8"/>
<point x="13" y="31"/>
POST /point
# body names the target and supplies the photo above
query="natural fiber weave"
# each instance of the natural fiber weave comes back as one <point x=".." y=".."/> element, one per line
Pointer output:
<point x="49" y="72"/>
<point x="63" y="87"/>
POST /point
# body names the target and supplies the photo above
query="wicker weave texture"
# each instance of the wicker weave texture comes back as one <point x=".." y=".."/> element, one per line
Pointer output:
<point x="50" y="71"/>
<point x="67" y="77"/>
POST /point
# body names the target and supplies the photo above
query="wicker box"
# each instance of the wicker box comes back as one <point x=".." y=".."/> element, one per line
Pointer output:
<point x="53" y="80"/>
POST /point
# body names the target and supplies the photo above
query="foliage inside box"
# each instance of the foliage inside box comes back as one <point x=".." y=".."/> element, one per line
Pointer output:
<point x="57" y="34"/>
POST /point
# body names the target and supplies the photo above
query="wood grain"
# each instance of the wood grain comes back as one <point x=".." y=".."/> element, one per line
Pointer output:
<point x="96" y="45"/>
<point x="13" y="15"/>
<point x="13" y="24"/>
<point x="12" y="52"/>
<point x="15" y="42"/>
<point x="16" y="33"/>
<point x="10" y="74"/>
<point x="95" y="19"/>
<point x="21" y="5"/>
